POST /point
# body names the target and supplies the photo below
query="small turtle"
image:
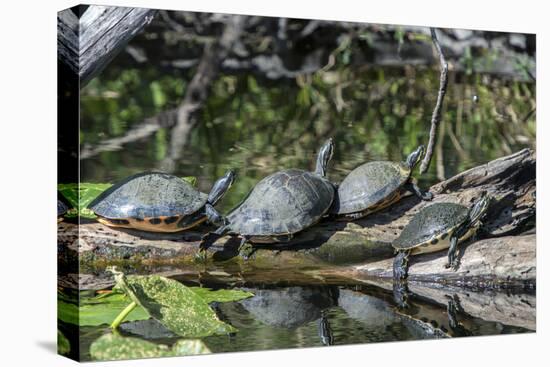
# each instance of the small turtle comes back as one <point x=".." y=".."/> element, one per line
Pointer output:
<point x="62" y="208"/>
<point x="437" y="227"/>
<point x="280" y="205"/>
<point x="159" y="202"/>
<point x="376" y="185"/>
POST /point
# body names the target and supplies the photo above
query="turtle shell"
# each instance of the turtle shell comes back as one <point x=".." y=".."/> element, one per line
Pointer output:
<point x="368" y="185"/>
<point x="283" y="203"/>
<point x="431" y="224"/>
<point x="149" y="195"/>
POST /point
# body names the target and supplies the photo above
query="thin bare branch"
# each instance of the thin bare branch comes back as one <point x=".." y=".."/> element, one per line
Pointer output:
<point x="436" y="115"/>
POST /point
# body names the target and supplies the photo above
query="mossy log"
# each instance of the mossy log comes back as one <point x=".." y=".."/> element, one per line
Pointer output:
<point x="510" y="180"/>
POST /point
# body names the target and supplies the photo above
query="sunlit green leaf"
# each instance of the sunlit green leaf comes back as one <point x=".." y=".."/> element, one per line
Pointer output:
<point x="221" y="295"/>
<point x="173" y="304"/>
<point x="63" y="344"/>
<point x="181" y="310"/>
<point x="189" y="347"/>
<point x="111" y="347"/>
<point x="98" y="310"/>
<point x="191" y="179"/>
<point x="80" y="195"/>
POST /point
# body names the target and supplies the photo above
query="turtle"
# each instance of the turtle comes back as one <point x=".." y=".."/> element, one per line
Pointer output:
<point x="376" y="185"/>
<point x="280" y="205"/>
<point x="436" y="227"/>
<point x="159" y="202"/>
<point x="62" y="209"/>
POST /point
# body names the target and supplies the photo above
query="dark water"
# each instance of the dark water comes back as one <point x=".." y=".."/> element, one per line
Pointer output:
<point x="298" y="316"/>
<point x="258" y="126"/>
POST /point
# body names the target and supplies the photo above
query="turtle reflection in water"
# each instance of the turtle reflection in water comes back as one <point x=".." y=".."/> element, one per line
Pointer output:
<point x="290" y="307"/>
<point x="376" y="185"/>
<point x="423" y="327"/>
<point x="280" y="205"/>
<point x="377" y="313"/>
<point x="437" y="227"/>
<point x="159" y="202"/>
<point x="324" y="330"/>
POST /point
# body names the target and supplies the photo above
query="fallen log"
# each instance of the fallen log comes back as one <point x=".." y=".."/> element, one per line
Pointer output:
<point x="510" y="180"/>
<point x="493" y="262"/>
<point x="88" y="44"/>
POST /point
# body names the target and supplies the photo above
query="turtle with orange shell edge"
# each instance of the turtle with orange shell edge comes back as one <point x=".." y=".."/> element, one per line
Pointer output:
<point x="159" y="202"/>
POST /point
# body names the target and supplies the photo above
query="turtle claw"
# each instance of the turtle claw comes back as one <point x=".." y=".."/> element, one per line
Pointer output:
<point x="452" y="265"/>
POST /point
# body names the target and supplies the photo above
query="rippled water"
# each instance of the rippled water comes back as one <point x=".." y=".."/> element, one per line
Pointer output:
<point x="299" y="316"/>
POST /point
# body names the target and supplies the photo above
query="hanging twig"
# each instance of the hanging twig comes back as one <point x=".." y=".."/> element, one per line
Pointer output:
<point x="436" y="115"/>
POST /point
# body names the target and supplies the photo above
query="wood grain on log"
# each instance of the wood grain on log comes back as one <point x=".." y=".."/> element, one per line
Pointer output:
<point x="489" y="263"/>
<point x="86" y="45"/>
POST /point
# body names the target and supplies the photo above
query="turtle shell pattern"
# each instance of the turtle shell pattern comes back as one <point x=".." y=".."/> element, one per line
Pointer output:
<point x="431" y="225"/>
<point x="149" y="195"/>
<point x="369" y="185"/>
<point x="283" y="203"/>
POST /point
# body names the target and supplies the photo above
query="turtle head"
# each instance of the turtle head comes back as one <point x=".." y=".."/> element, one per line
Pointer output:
<point x="324" y="156"/>
<point x="414" y="157"/>
<point x="221" y="186"/>
<point x="479" y="208"/>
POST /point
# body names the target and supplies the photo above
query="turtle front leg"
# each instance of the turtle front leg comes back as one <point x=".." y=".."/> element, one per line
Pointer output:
<point x="208" y="239"/>
<point x="452" y="254"/>
<point x="453" y="308"/>
<point x="424" y="195"/>
<point x="214" y="216"/>
<point x="401" y="294"/>
<point x="401" y="265"/>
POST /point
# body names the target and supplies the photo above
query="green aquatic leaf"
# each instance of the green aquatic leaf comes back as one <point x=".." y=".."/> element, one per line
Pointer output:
<point x="99" y="310"/>
<point x="221" y="295"/>
<point x="63" y="344"/>
<point x="80" y="196"/>
<point x="174" y="305"/>
<point x="190" y="347"/>
<point x="191" y="180"/>
<point x="104" y="308"/>
<point x="111" y="347"/>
